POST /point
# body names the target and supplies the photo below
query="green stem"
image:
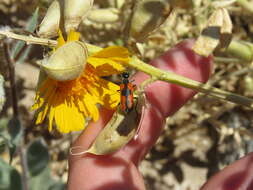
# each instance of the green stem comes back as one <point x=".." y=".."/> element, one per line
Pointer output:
<point x="226" y="60"/>
<point x="28" y="39"/>
<point x="188" y="83"/>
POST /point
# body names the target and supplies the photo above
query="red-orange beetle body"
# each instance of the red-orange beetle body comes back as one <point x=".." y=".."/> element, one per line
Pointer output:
<point x="126" y="94"/>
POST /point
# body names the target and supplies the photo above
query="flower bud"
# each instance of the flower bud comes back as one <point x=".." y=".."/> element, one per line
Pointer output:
<point x="50" y="24"/>
<point x="74" y="12"/>
<point x="104" y="15"/>
<point x="148" y="15"/>
<point x="67" y="62"/>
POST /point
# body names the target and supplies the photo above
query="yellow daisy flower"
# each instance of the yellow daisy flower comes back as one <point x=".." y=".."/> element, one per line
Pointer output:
<point x="71" y="103"/>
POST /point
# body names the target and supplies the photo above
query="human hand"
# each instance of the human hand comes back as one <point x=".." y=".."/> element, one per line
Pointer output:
<point x="119" y="171"/>
<point x="237" y="176"/>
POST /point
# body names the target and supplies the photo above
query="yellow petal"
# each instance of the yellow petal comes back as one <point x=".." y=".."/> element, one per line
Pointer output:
<point x="91" y="107"/>
<point x="81" y="107"/>
<point x="96" y="92"/>
<point x="59" y="117"/>
<point x="60" y="40"/>
<point x="51" y="118"/>
<point x="111" y="96"/>
<point x="73" y="36"/>
<point x="105" y="66"/>
<point x="38" y="102"/>
<point x="46" y="90"/>
<point x="76" y="119"/>
<point x="112" y="51"/>
<point x="109" y="60"/>
<point x="41" y="115"/>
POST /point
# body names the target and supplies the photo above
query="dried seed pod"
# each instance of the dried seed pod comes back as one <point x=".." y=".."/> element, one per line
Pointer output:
<point x="50" y="24"/>
<point x="148" y="15"/>
<point x="117" y="133"/>
<point x="104" y="15"/>
<point x="120" y="129"/>
<point x="218" y="32"/>
<point x="74" y="12"/>
<point x="67" y="62"/>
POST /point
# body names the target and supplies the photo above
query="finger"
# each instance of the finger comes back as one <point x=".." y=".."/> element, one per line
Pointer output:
<point x="89" y="134"/>
<point x="112" y="172"/>
<point x="165" y="98"/>
<point x="234" y="177"/>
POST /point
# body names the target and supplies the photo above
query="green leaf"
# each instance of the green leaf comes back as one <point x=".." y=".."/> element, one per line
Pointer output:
<point x="10" y="179"/>
<point x="24" y="55"/>
<point x="20" y="46"/>
<point x="15" y="133"/>
<point x="32" y="23"/>
<point x="14" y="129"/>
<point x="4" y="137"/>
<point x="57" y="186"/>
<point x="45" y="178"/>
<point x="37" y="157"/>
<point x="119" y="42"/>
<point x="3" y="142"/>
<point x="3" y="125"/>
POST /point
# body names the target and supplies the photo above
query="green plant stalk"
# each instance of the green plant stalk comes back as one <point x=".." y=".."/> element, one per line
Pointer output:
<point x="41" y="41"/>
<point x="240" y="49"/>
<point x="152" y="71"/>
<point x="28" y="39"/>
<point x="227" y="60"/>
<point x="246" y="5"/>
<point x="188" y="83"/>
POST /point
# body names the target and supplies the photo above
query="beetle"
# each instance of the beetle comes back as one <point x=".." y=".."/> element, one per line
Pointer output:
<point x="126" y="94"/>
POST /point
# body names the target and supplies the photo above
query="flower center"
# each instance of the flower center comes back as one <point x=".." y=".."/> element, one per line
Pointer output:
<point x="70" y="88"/>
